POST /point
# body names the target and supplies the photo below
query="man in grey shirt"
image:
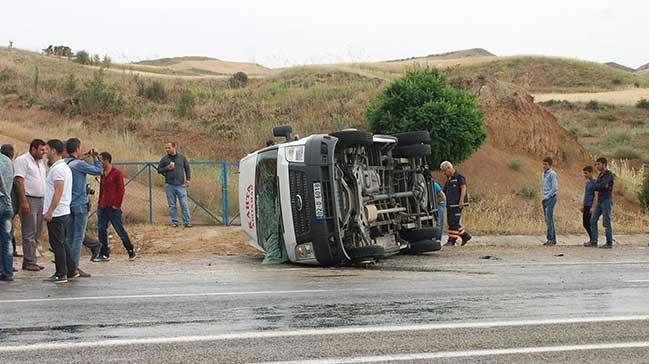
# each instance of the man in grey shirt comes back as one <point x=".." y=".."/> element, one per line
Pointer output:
<point x="175" y="168"/>
<point x="550" y="189"/>
<point x="6" y="215"/>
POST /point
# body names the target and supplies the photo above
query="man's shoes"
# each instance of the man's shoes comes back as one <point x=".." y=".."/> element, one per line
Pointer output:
<point x="588" y="244"/>
<point x="32" y="267"/>
<point x="14" y="269"/>
<point x="174" y="225"/>
<point x="606" y="246"/>
<point x="56" y="279"/>
<point x="101" y="259"/>
<point x="466" y="240"/>
<point x="189" y="225"/>
<point x="550" y="243"/>
<point x="132" y="255"/>
<point x="80" y="274"/>
<point x="40" y="266"/>
<point x="450" y="243"/>
<point x="95" y="254"/>
<point x="6" y="279"/>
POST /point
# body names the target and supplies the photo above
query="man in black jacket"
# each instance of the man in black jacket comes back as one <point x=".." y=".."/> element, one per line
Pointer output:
<point x="175" y="168"/>
<point x="604" y="189"/>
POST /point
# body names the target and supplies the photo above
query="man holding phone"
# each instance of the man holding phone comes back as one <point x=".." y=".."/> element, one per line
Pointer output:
<point x="175" y="168"/>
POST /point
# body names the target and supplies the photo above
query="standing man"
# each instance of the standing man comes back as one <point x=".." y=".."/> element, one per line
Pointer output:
<point x="56" y="209"/>
<point x="111" y="196"/>
<point x="604" y="204"/>
<point x="79" y="206"/>
<point x="6" y="215"/>
<point x="175" y="168"/>
<point x="550" y="188"/>
<point x="30" y="180"/>
<point x="590" y="199"/>
<point x="456" y="194"/>
<point x="8" y="150"/>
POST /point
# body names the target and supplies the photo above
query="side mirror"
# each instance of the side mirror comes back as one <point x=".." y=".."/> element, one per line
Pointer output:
<point x="283" y="131"/>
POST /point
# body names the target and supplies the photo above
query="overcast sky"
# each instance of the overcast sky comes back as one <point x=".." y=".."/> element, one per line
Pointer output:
<point x="288" y="32"/>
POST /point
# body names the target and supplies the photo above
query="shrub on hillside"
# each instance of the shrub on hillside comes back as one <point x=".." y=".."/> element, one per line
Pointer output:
<point x="514" y="164"/>
<point x="97" y="97"/>
<point x="643" y="196"/>
<point x="238" y="80"/>
<point x="154" y="91"/>
<point x="106" y="62"/>
<point x="186" y="104"/>
<point x="528" y="192"/>
<point x="626" y="152"/>
<point x="593" y="105"/>
<point x="643" y="104"/>
<point x="82" y="57"/>
<point x="424" y="100"/>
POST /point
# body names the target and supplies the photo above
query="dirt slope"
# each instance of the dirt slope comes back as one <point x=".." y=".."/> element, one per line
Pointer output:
<point x="206" y="65"/>
<point x="465" y="53"/>
<point x="620" y="67"/>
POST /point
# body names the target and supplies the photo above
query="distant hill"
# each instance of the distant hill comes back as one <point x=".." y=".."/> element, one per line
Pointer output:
<point x="643" y="68"/>
<point x="205" y="65"/>
<point x="465" y="53"/>
<point x="620" y="67"/>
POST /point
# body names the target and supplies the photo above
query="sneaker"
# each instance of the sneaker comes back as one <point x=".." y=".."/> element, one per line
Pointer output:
<point x="95" y="254"/>
<point x="101" y="258"/>
<point x="450" y="243"/>
<point x="606" y="246"/>
<point x="6" y="279"/>
<point x="468" y="238"/>
<point x="588" y="244"/>
<point x="550" y="243"/>
<point x="174" y="225"/>
<point x="189" y="225"/>
<point x="132" y="255"/>
<point x="56" y="279"/>
<point x="40" y="266"/>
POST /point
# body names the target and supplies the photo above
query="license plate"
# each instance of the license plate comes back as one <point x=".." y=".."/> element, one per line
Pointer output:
<point x="317" y="197"/>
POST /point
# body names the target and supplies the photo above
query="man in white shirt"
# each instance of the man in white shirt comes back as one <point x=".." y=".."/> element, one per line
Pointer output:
<point x="56" y="210"/>
<point x="30" y="182"/>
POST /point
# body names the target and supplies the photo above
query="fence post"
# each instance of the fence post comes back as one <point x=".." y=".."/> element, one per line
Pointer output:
<point x="150" y="194"/>
<point x="224" y="194"/>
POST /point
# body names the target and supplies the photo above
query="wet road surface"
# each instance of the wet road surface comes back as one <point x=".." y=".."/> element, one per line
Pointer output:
<point x="561" y="305"/>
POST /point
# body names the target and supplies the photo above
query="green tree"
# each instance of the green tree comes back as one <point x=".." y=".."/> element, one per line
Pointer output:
<point x="423" y="100"/>
<point x="238" y="80"/>
<point x="82" y="57"/>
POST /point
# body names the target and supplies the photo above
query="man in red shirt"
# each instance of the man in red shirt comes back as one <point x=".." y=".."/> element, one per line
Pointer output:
<point x="111" y="195"/>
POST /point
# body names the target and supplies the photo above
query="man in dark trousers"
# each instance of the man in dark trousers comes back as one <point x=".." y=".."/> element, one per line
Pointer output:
<point x="175" y="168"/>
<point x="604" y="205"/>
<point x="456" y="193"/>
<point x="111" y="196"/>
<point x="9" y="151"/>
<point x="589" y="200"/>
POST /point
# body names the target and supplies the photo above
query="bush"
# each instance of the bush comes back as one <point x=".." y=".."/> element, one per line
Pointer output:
<point x="642" y="104"/>
<point x="643" y="196"/>
<point x="96" y="97"/>
<point x="514" y="164"/>
<point x="593" y="105"/>
<point x="82" y="57"/>
<point x="238" y="80"/>
<point x="186" y="104"/>
<point x="423" y="100"/>
<point x="608" y="117"/>
<point x="155" y="91"/>
<point x="5" y="74"/>
<point x="528" y="192"/>
<point x="626" y="152"/>
<point x="636" y="84"/>
<point x="616" y="81"/>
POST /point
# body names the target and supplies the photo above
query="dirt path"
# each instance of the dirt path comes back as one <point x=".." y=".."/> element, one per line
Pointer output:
<point x="622" y="97"/>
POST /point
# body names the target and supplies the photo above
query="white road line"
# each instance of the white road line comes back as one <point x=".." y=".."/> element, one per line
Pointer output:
<point x="637" y="281"/>
<point x="171" y="295"/>
<point x="467" y="354"/>
<point x="314" y="332"/>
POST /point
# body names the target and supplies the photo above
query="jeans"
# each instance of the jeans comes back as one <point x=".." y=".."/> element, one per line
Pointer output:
<point x="63" y="259"/>
<point x="114" y="216"/>
<point x="548" y="210"/>
<point x="586" y="216"/>
<point x="6" y="253"/>
<point x="603" y="207"/>
<point x="76" y="230"/>
<point x="180" y="193"/>
<point x="31" y="229"/>
<point x="441" y="211"/>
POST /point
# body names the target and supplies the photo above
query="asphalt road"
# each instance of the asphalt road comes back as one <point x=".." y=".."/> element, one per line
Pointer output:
<point x="530" y="305"/>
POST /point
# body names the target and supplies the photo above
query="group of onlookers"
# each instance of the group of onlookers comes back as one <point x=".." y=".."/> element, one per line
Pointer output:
<point x="55" y="194"/>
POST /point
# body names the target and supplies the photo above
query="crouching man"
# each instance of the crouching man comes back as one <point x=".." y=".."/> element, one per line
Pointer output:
<point x="111" y="196"/>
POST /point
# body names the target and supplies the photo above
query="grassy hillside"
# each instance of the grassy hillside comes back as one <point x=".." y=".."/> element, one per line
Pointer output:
<point x="465" y="53"/>
<point x="204" y="65"/>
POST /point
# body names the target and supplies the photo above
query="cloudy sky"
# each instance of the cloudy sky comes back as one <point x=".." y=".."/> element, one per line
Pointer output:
<point x="289" y="32"/>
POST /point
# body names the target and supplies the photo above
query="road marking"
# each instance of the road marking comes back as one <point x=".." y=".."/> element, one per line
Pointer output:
<point x="171" y="295"/>
<point x="637" y="281"/>
<point x="314" y="332"/>
<point x="467" y="354"/>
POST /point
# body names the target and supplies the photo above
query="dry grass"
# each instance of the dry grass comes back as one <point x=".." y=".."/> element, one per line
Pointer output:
<point x="622" y="97"/>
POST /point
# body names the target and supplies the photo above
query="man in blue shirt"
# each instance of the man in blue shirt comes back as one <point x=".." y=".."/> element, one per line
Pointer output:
<point x="604" y="203"/>
<point x="78" y="220"/>
<point x="550" y="188"/>
<point x="6" y="214"/>
<point x="589" y="200"/>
